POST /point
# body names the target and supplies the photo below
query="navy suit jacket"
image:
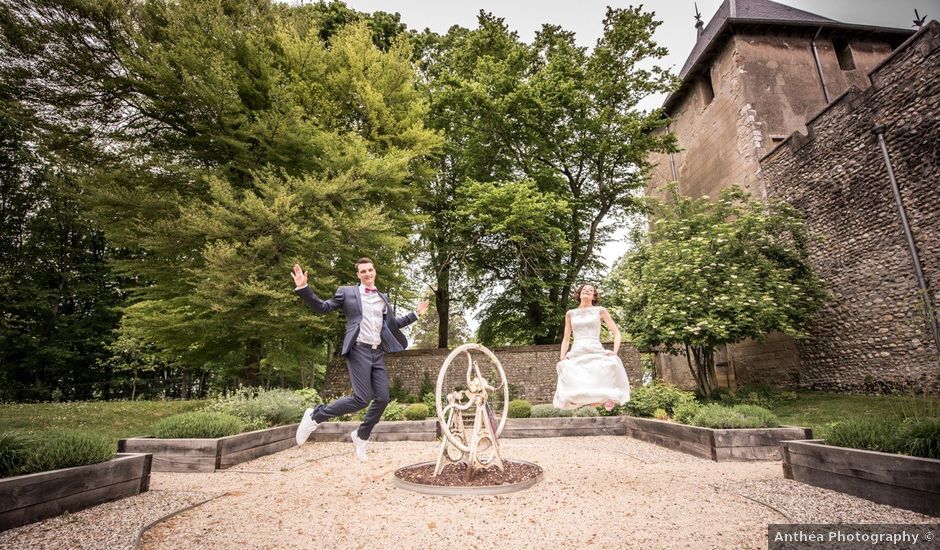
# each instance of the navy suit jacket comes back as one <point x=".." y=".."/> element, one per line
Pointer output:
<point x="347" y="298"/>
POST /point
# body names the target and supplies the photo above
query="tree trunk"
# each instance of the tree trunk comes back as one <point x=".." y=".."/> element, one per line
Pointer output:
<point x="250" y="372"/>
<point x="442" y="302"/>
<point x="704" y="372"/>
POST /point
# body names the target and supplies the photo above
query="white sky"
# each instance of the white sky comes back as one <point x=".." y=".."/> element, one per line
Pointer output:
<point x="585" y="18"/>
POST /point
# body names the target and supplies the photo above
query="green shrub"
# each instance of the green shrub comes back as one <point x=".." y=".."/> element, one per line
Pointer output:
<point x="872" y="433"/>
<point x="646" y="399"/>
<point x="417" y="411"/>
<point x="22" y="453"/>
<point x="762" y="395"/>
<point x="585" y="411"/>
<point x="394" y="411"/>
<point x="397" y="391"/>
<point x="429" y="401"/>
<point x="199" y="424"/>
<point x="919" y="438"/>
<point x="261" y="408"/>
<point x="617" y="410"/>
<point x="411" y="398"/>
<point x="684" y="412"/>
<point x="564" y="412"/>
<point x="310" y="396"/>
<point x="545" y="410"/>
<point x="14" y="446"/>
<point x="764" y="417"/>
<point x="660" y="414"/>
<point x="427" y="385"/>
<point x="519" y="408"/>
<point x="714" y="415"/>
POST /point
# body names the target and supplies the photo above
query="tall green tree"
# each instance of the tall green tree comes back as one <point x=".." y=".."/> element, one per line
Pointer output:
<point x="222" y="141"/>
<point x="555" y="114"/>
<point x="714" y="273"/>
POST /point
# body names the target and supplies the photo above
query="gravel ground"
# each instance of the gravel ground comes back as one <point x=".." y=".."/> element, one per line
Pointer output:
<point x="605" y="491"/>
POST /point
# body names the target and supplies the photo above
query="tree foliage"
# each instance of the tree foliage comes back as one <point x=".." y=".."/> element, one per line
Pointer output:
<point x="557" y="121"/>
<point x="713" y="273"/>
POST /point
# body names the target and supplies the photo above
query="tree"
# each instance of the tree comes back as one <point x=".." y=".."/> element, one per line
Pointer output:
<point x="221" y="142"/>
<point x="424" y="334"/>
<point x="714" y="273"/>
<point x="553" y="114"/>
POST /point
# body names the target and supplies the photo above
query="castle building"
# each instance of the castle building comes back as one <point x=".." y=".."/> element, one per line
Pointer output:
<point x="759" y="86"/>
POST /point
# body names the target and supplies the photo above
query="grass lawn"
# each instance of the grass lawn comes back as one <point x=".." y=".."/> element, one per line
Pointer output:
<point x="819" y="410"/>
<point x="115" y="419"/>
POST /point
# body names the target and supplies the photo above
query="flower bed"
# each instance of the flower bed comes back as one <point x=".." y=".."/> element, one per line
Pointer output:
<point x="908" y="482"/>
<point x="32" y="497"/>
<point x="714" y="443"/>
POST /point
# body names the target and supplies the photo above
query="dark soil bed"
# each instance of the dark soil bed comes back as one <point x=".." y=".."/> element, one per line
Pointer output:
<point x="454" y="475"/>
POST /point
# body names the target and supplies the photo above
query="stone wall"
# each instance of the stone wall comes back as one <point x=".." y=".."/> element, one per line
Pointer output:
<point x="874" y="334"/>
<point x="529" y="369"/>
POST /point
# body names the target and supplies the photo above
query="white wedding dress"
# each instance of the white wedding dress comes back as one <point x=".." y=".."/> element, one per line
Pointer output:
<point x="588" y="374"/>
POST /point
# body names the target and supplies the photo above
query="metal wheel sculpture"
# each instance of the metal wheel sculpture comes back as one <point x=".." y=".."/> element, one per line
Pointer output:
<point x="478" y="449"/>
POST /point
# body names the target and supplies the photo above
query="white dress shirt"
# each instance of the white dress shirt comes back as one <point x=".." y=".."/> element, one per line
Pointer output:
<point x="373" y="309"/>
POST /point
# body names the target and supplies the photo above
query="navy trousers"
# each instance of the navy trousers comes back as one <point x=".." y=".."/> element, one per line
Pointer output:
<point x="369" y="382"/>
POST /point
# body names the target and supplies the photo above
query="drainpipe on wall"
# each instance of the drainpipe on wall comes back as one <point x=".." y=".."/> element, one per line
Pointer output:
<point x="921" y="280"/>
<point x="819" y="70"/>
<point x="672" y="159"/>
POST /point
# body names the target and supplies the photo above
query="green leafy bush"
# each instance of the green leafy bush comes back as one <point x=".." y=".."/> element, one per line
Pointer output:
<point x="199" y="424"/>
<point x="585" y="411"/>
<point x="429" y="401"/>
<point x="397" y="391"/>
<point x="261" y="408"/>
<point x="646" y="399"/>
<point x="919" y="438"/>
<point x="427" y="385"/>
<point x="394" y="411"/>
<point x="411" y="398"/>
<point x="660" y="414"/>
<point x="310" y="396"/>
<point x="417" y="411"/>
<point x="519" y="408"/>
<point x="684" y="412"/>
<point x="22" y="453"/>
<point x="714" y="415"/>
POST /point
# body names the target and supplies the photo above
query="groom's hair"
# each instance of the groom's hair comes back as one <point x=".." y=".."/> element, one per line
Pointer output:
<point x="363" y="260"/>
<point x="597" y="295"/>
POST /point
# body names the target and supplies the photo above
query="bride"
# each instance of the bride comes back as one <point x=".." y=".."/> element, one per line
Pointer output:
<point x="589" y="374"/>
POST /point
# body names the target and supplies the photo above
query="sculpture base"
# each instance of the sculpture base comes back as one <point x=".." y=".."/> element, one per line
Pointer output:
<point x="516" y="476"/>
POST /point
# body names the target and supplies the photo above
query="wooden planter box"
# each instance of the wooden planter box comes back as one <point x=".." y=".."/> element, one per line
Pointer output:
<point x="386" y="430"/>
<point x="908" y="482"/>
<point x="209" y="455"/>
<point x="564" y="426"/>
<point x="716" y="444"/>
<point x="32" y="497"/>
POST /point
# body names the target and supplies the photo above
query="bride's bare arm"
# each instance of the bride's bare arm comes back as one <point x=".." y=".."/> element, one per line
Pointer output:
<point x="565" y="338"/>
<point x="612" y="327"/>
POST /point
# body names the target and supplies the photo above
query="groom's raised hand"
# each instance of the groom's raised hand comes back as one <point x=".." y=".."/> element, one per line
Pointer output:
<point x="422" y="307"/>
<point x="299" y="275"/>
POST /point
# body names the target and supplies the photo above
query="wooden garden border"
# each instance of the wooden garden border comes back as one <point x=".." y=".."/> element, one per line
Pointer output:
<point x="719" y="445"/>
<point x="32" y="497"/>
<point x="908" y="482"/>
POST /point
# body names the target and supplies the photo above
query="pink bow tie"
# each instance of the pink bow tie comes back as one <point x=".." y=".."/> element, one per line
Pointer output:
<point x="371" y="290"/>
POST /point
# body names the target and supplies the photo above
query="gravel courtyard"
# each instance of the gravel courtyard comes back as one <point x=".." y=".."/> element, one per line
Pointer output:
<point x="603" y="491"/>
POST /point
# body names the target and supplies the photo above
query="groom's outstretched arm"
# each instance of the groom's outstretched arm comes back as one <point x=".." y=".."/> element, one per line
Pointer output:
<point x="409" y="318"/>
<point x="312" y="300"/>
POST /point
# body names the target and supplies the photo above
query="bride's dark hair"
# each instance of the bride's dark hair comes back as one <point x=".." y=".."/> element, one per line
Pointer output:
<point x="597" y="295"/>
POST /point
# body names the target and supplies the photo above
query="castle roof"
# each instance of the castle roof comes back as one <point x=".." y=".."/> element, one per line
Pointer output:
<point x="735" y="16"/>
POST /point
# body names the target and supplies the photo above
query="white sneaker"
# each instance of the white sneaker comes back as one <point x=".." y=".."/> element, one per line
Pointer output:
<point x="360" y="446"/>
<point x="307" y="426"/>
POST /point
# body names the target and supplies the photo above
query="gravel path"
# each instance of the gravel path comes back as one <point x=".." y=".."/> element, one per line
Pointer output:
<point x="606" y="491"/>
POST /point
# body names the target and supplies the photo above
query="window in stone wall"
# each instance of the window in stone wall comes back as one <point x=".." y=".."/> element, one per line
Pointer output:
<point x="843" y="54"/>
<point x="708" y="91"/>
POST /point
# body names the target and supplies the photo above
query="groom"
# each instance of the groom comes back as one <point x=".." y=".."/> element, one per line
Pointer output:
<point x="372" y="330"/>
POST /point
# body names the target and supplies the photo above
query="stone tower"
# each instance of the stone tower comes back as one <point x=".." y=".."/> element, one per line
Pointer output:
<point x="758" y="72"/>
